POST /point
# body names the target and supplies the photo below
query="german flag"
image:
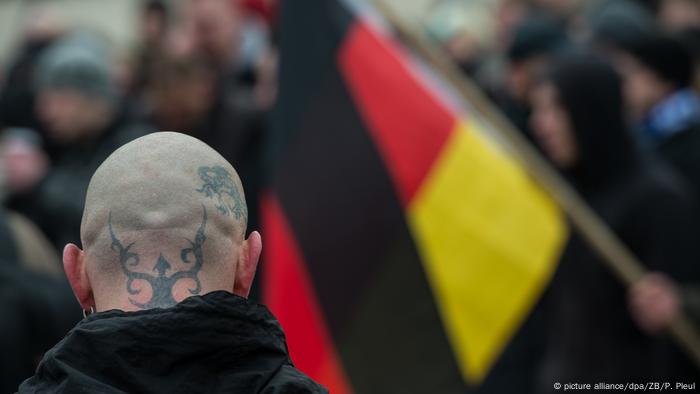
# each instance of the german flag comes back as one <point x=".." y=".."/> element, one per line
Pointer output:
<point x="403" y="247"/>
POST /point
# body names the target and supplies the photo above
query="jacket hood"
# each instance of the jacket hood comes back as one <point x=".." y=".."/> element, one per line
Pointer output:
<point x="211" y="343"/>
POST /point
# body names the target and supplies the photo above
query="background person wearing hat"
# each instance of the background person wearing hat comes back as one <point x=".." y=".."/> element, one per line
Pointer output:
<point x="535" y="40"/>
<point x="78" y="106"/>
<point x="658" y="73"/>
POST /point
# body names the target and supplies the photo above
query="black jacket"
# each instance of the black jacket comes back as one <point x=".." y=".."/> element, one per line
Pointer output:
<point x="591" y="334"/>
<point x="8" y="246"/>
<point x="37" y="311"/>
<point x="216" y="343"/>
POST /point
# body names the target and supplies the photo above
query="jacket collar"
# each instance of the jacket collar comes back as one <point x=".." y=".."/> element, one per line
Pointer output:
<point x="202" y="337"/>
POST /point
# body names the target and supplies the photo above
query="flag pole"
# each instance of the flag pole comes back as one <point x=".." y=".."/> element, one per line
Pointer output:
<point x="614" y="253"/>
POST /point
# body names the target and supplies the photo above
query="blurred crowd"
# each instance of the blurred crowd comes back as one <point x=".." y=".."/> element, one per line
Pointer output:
<point x="69" y="98"/>
<point x="607" y="90"/>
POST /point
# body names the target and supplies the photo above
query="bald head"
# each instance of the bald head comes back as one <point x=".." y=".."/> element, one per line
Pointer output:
<point x="165" y="216"/>
<point x="160" y="181"/>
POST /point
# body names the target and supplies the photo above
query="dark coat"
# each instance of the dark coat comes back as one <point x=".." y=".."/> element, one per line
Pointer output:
<point x="591" y="334"/>
<point x="216" y="343"/>
<point x="8" y="247"/>
<point x="37" y="311"/>
<point x="17" y="95"/>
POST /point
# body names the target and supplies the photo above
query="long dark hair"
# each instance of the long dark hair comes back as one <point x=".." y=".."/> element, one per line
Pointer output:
<point x="590" y="91"/>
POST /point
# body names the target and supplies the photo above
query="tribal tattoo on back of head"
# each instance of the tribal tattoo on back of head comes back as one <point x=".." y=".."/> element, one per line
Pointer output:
<point x="161" y="284"/>
<point x="219" y="185"/>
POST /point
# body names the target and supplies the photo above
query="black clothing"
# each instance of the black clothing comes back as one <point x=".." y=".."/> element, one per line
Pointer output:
<point x="591" y="93"/>
<point x="591" y="334"/>
<point x="37" y="311"/>
<point x="663" y="54"/>
<point x="8" y="247"/>
<point x="216" y="343"/>
<point x="17" y="94"/>
<point x="538" y="34"/>
<point x="517" y="112"/>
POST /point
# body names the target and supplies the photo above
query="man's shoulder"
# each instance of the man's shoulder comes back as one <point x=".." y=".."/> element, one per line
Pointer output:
<point x="288" y="379"/>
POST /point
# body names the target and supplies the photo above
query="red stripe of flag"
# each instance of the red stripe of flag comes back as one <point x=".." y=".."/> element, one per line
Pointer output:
<point x="406" y="121"/>
<point x="289" y="294"/>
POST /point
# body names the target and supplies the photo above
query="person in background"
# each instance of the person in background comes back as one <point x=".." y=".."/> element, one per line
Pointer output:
<point x="228" y="37"/>
<point x="579" y="122"/>
<point x="678" y="15"/>
<point x="21" y="164"/>
<point x="665" y="109"/>
<point x="38" y="309"/>
<point x="657" y="301"/>
<point x="35" y="299"/>
<point x="215" y="30"/>
<point x="563" y="10"/>
<point x="619" y="18"/>
<point x="536" y="39"/>
<point x="43" y="27"/>
<point x="181" y="94"/>
<point x="464" y="30"/>
<point x="235" y="42"/>
<point x="154" y="26"/>
<point x="77" y="104"/>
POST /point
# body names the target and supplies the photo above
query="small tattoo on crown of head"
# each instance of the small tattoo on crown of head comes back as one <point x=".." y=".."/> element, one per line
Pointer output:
<point x="220" y="186"/>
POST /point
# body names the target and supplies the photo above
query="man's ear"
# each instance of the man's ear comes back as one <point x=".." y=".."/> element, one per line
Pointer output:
<point x="74" y="265"/>
<point x="247" y="264"/>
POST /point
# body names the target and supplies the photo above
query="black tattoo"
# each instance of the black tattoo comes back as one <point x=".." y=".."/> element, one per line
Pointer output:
<point x="219" y="184"/>
<point x="161" y="284"/>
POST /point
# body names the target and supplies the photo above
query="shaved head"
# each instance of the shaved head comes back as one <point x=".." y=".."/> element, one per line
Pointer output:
<point x="165" y="217"/>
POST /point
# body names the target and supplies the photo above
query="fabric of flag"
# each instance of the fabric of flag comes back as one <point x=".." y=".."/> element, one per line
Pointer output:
<point x="403" y="248"/>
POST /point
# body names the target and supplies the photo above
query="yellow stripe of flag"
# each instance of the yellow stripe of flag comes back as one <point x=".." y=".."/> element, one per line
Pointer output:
<point x="489" y="240"/>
